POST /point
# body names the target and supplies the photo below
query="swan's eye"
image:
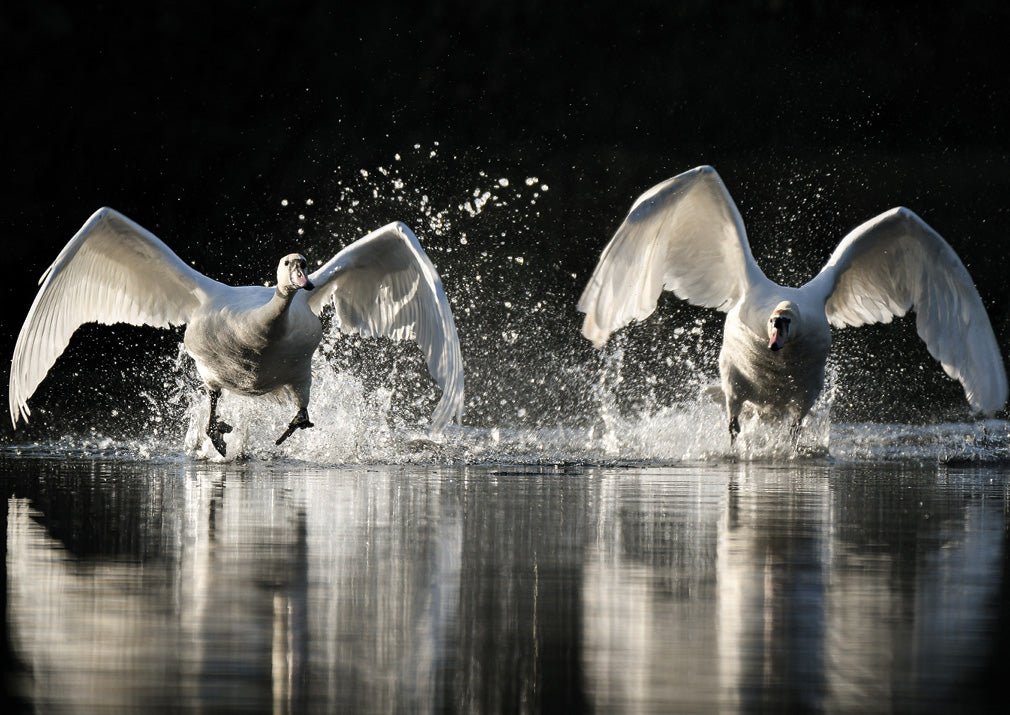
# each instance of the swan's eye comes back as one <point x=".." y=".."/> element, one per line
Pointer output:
<point x="286" y="261"/>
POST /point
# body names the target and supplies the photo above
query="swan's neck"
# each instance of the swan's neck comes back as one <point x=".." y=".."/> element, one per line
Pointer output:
<point x="277" y="308"/>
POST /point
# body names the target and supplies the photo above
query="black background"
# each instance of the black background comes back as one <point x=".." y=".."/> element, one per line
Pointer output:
<point x="197" y="119"/>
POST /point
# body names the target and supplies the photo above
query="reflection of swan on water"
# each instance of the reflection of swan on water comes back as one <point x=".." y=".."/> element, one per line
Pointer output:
<point x="686" y="235"/>
<point x="250" y="340"/>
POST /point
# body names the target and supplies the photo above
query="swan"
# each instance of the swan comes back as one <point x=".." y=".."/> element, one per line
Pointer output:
<point x="250" y="340"/>
<point x="686" y="235"/>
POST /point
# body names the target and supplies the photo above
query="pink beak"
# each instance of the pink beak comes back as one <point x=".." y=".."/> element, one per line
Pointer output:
<point x="301" y="280"/>
<point x="777" y="339"/>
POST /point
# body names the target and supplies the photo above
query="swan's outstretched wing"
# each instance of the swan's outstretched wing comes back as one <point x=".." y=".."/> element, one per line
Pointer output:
<point x="684" y="235"/>
<point x="112" y="271"/>
<point x="384" y="285"/>
<point x="895" y="263"/>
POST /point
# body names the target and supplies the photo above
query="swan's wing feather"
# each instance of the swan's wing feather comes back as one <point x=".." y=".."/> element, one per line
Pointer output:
<point x="112" y="271"/>
<point x="895" y="263"/>
<point x="385" y="285"/>
<point x="684" y="235"/>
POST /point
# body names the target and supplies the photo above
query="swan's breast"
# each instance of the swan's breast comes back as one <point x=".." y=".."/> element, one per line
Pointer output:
<point x="236" y="349"/>
<point x="792" y="375"/>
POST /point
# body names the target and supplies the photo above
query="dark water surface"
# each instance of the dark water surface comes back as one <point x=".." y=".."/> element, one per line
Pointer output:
<point x="283" y="587"/>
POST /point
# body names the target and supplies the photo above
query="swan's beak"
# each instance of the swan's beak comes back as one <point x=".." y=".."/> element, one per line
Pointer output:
<point x="778" y="334"/>
<point x="301" y="280"/>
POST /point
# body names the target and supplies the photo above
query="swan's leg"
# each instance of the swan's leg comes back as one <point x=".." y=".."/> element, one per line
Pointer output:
<point x="796" y="425"/>
<point x="794" y="433"/>
<point x="301" y="421"/>
<point x="734" y="389"/>
<point x="216" y="429"/>
<point x="734" y="429"/>
<point x="733" y="407"/>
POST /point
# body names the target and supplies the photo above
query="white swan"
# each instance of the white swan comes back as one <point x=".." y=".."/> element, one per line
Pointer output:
<point x="250" y="340"/>
<point x="686" y="235"/>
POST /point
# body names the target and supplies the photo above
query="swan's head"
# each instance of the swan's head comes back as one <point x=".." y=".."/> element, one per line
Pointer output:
<point x="781" y="324"/>
<point x="291" y="275"/>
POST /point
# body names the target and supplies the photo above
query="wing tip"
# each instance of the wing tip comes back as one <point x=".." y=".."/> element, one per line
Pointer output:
<point x="19" y="412"/>
<point x="994" y="403"/>
<point x="448" y="410"/>
<point x="988" y="398"/>
<point x="988" y="410"/>
<point x="594" y="333"/>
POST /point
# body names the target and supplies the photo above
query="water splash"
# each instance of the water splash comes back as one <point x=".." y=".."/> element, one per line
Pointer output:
<point x="361" y="423"/>
<point x="537" y="393"/>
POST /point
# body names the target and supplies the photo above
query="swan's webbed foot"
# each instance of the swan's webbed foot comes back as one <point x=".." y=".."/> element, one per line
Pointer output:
<point x="216" y="432"/>
<point x="301" y="421"/>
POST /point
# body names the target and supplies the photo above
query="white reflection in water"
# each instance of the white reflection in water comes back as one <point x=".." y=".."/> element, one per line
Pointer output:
<point x="781" y="591"/>
<point x="268" y="586"/>
<point x="650" y="593"/>
<point x="734" y="587"/>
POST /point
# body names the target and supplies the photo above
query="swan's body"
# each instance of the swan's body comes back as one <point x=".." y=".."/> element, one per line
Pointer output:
<point x="686" y="235"/>
<point x="781" y="384"/>
<point x="248" y="340"/>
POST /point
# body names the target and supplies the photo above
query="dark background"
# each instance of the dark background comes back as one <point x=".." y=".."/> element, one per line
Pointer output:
<point x="197" y="120"/>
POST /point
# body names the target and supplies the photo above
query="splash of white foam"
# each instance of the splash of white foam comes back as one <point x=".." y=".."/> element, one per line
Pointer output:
<point x="529" y="400"/>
